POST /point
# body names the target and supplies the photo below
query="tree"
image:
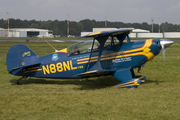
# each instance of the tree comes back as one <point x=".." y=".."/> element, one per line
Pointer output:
<point x="86" y="25"/>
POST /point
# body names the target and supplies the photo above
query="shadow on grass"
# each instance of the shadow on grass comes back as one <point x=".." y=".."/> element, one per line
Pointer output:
<point x="153" y="81"/>
<point x="92" y="83"/>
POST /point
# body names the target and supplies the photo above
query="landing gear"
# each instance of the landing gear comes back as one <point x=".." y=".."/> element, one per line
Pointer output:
<point x="87" y="79"/>
<point x="139" y="69"/>
<point x="18" y="81"/>
<point x="136" y="86"/>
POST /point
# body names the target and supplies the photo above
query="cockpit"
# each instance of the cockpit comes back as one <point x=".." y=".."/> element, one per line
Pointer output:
<point x="84" y="47"/>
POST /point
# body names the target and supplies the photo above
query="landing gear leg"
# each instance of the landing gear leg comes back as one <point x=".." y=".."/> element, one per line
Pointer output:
<point x="18" y="81"/>
<point x="139" y="69"/>
<point x="87" y="79"/>
<point x="136" y="86"/>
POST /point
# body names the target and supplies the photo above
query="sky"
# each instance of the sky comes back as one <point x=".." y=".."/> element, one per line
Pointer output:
<point x="127" y="11"/>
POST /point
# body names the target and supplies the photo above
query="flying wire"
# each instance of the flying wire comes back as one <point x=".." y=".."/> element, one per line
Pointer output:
<point x="51" y="46"/>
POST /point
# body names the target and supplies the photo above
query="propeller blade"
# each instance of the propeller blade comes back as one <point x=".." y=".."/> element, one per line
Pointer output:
<point x="164" y="44"/>
<point x="163" y="51"/>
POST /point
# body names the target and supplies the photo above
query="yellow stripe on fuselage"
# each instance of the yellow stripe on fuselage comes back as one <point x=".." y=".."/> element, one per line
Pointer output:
<point x="87" y="58"/>
<point x="148" y="44"/>
<point x="121" y="54"/>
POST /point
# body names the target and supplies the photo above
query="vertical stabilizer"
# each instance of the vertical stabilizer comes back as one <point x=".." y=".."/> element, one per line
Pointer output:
<point x="20" y="56"/>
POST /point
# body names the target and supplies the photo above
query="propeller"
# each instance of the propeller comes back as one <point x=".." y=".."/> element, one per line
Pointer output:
<point x="164" y="44"/>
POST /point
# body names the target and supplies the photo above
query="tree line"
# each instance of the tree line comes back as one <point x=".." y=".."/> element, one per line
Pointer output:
<point x="86" y="25"/>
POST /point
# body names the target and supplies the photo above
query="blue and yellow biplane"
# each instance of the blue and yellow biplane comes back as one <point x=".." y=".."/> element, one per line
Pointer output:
<point x="90" y="58"/>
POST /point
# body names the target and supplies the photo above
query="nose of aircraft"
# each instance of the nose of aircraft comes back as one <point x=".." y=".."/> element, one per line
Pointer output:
<point x="164" y="44"/>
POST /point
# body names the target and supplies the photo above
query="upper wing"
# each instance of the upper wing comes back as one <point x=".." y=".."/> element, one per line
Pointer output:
<point x="108" y="33"/>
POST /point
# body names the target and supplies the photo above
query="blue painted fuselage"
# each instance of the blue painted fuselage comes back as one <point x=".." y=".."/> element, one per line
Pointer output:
<point x="114" y="57"/>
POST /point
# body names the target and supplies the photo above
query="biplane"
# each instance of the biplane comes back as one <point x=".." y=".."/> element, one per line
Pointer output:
<point x="90" y="58"/>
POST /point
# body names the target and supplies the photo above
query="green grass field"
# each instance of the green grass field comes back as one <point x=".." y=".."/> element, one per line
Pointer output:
<point x="79" y="99"/>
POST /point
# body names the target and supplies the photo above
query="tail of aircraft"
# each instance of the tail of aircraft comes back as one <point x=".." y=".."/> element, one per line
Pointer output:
<point x="20" y="56"/>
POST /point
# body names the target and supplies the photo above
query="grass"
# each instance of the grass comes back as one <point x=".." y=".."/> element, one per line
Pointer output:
<point x="54" y="99"/>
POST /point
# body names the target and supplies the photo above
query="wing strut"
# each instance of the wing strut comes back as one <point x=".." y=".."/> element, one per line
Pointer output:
<point x="128" y="39"/>
<point x="90" y="55"/>
<point x="101" y="41"/>
<point x="112" y="40"/>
